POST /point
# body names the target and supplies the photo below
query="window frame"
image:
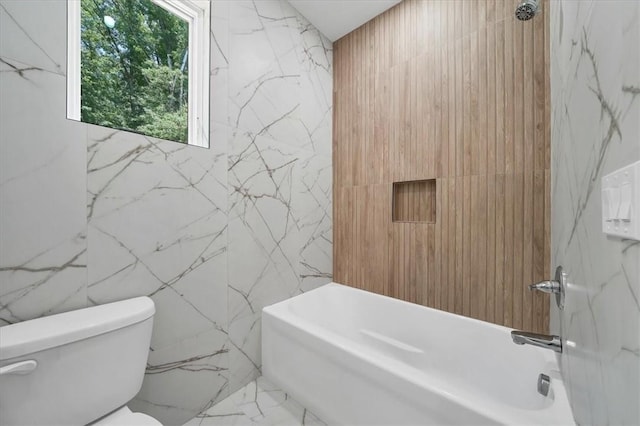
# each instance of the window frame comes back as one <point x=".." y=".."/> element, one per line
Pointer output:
<point x="197" y="13"/>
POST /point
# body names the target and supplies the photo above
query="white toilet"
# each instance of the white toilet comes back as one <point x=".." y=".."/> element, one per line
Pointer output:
<point x="77" y="368"/>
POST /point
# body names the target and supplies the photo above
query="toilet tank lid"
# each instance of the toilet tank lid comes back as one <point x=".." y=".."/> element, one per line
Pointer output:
<point x="55" y="330"/>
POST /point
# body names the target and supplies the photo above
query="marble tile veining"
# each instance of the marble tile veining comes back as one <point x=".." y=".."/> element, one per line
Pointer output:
<point x="174" y="257"/>
<point x="91" y="215"/>
<point x="595" y="83"/>
<point x="36" y="39"/>
<point x="258" y="403"/>
<point x="279" y="168"/>
<point x="43" y="249"/>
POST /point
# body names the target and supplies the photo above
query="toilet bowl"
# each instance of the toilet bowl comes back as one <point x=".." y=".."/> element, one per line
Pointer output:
<point x="77" y="368"/>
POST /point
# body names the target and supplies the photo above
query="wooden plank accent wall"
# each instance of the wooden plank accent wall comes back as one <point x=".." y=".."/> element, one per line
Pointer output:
<point x="456" y="91"/>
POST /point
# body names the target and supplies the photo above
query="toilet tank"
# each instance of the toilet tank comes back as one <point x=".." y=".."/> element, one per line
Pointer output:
<point x="87" y="363"/>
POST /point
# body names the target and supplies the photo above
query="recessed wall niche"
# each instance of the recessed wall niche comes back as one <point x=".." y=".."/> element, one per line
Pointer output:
<point x="414" y="201"/>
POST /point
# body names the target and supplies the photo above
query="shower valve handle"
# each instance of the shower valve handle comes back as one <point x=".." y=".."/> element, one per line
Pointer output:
<point x="557" y="286"/>
<point x="550" y="286"/>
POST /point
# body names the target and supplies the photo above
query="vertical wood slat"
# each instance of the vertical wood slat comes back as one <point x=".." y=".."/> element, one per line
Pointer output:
<point x="457" y="92"/>
<point x="451" y="258"/>
<point x="436" y="247"/>
<point x="466" y="245"/>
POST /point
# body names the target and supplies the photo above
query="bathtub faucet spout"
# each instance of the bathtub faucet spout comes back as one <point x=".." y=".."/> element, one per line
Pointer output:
<point x="540" y="340"/>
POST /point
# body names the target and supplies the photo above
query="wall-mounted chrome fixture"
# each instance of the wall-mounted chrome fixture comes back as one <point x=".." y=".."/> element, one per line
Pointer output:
<point x="539" y="340"/>
<point x="527" y="9"/>
<point x="544" y="383"/>
<point x="556" y="286"/>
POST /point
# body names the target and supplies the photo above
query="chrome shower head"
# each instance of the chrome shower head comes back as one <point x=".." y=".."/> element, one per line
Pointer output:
<point x="527" y="9"/>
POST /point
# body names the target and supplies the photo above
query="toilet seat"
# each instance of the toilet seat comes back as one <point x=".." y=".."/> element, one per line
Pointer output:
<point x="125" y="417"/>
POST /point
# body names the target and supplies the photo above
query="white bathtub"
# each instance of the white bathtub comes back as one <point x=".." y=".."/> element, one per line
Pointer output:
<point x="357" y="358"/>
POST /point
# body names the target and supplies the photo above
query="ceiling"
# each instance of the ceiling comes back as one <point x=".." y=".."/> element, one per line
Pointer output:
<point x="335" y="18"/>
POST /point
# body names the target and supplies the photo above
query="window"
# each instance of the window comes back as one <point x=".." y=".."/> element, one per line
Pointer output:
<point x="140" y="65"/>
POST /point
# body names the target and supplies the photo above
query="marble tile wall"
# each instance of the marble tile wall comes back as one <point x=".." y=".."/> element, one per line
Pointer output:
<point x="91" y="215"/>
<point x="157" y="225"/>
<point x="595" y="89"/>
<point x="279" y="168"/>
<point x="43" y="224"/>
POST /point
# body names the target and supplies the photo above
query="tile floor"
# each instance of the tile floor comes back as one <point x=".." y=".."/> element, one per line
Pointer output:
<point x="259" y="403"/>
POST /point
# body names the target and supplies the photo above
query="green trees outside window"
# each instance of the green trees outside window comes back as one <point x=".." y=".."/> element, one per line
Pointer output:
<point x="134" y="75"/>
